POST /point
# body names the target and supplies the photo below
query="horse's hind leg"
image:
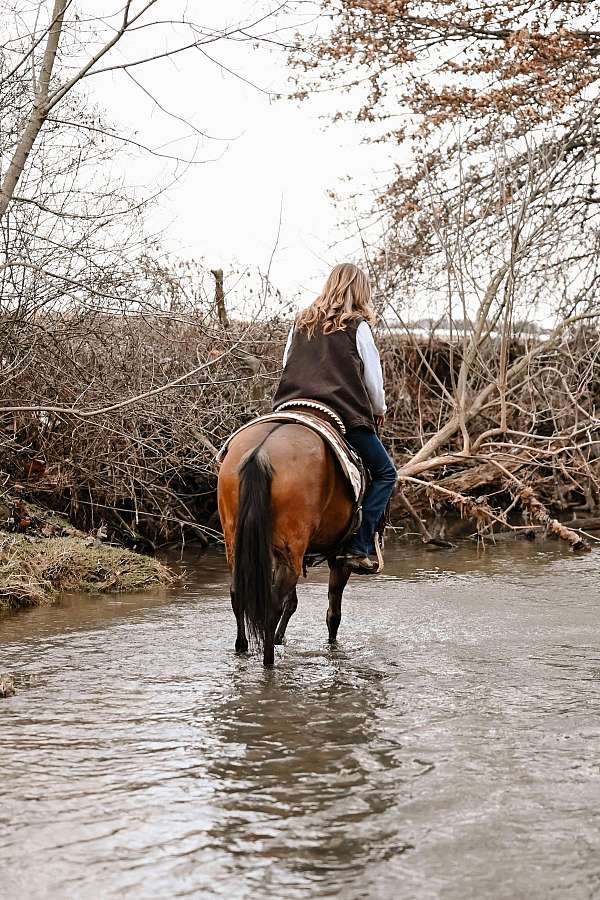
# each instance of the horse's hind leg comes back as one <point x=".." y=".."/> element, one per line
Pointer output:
<point x="272" y="619"/>
<point x="338" y="579"/>
<point x="284" y="583"/>
<point x="241" y="642"/>
<point x="289" y="608"/>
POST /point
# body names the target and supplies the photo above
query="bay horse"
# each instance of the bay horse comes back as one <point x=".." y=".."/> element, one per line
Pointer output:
<point x="281" y="492"/>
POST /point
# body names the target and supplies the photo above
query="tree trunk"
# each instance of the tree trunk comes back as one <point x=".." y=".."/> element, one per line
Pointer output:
<point x="39" y="111"/>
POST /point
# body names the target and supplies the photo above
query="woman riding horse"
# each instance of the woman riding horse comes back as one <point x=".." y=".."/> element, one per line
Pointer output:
<point x="280" y="489"/>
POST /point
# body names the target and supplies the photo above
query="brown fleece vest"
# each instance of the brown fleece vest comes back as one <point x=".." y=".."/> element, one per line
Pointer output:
<point x="328" y="368"/>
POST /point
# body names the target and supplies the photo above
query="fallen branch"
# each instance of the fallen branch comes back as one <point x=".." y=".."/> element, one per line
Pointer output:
<point x="477" y="509"/>
<point x="540" y="514"/>
<point x="482" y="513"/>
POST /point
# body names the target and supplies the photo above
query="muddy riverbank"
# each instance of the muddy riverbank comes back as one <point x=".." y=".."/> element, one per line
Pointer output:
<point x="447" y="746"/>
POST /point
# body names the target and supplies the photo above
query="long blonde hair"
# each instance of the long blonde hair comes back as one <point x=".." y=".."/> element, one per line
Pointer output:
<point x="345" y="296"/>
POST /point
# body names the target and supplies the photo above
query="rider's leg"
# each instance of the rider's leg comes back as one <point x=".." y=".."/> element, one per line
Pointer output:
<point x="383" y="479"/>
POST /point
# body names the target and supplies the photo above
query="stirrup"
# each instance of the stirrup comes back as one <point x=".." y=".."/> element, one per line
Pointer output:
<point x="379" y="551"/>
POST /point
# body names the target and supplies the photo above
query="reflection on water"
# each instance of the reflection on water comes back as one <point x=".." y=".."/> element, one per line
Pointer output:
<point x="448" y="747"/>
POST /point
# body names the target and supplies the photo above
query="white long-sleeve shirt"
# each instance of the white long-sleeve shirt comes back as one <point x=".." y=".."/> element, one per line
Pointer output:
<point x="369" y="355"/>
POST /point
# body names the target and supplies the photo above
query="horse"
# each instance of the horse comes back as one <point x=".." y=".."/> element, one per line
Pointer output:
<point x="281" y="492"/>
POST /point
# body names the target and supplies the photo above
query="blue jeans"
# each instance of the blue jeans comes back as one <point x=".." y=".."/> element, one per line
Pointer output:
<point x="383" y="480"/>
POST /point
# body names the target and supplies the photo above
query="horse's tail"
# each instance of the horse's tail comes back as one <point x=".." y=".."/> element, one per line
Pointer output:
<point x="253" y="564"/>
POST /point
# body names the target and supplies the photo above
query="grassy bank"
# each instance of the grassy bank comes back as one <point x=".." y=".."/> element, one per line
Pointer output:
<point x="51" y="556"/>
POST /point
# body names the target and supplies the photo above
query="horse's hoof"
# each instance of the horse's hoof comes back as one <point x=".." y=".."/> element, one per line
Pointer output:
<point x="241" y="648"/>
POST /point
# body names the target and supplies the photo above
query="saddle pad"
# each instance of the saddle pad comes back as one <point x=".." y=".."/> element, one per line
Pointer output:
<point x="331" y="437"/>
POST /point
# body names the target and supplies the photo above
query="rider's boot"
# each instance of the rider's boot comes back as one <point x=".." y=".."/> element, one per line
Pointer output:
<point x="359" y="564"/>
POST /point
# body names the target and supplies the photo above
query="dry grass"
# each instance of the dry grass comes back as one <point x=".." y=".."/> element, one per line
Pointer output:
<point x="32" y="572"/>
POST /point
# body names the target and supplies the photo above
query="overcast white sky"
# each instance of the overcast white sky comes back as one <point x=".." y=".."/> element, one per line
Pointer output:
<point x="271" y="156"/>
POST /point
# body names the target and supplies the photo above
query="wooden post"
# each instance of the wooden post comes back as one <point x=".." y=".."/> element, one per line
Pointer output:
<point x="220" y="297"/>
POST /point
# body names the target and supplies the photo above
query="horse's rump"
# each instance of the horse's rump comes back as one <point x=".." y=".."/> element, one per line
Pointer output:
<point x="311" y="503"/>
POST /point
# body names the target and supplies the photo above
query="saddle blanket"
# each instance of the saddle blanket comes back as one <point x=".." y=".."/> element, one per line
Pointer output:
<point x="340" y="449"/>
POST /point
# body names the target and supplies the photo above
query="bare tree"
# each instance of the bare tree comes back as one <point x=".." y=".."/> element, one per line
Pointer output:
<point x="116" y="379"/>
<point x="521" y="409"/>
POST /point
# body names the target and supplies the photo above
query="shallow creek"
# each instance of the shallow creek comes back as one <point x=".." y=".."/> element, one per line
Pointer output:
<point x="449" y="746"/>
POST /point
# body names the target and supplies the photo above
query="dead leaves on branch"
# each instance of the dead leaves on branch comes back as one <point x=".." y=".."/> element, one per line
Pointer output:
<point x="540" y="514"/>
<point x="451" y="82"/>
<point x="484" y="517"/>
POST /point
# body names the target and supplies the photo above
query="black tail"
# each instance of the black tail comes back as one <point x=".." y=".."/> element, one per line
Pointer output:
<point x="252" y="567"/>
